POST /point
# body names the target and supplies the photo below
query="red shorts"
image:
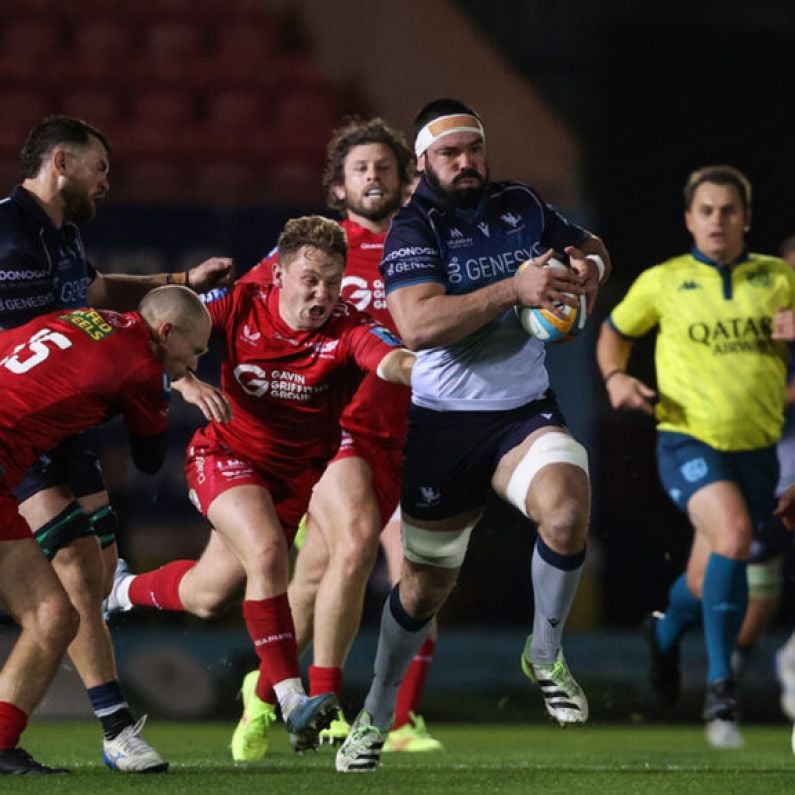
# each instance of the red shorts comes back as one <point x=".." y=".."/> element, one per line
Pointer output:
<point x="12" y="526"/>
<point x="212" y="470"/>
<point x="385" y="464"/>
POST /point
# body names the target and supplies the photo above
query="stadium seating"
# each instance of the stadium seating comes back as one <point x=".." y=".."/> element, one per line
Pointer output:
<point x="225" y="93"/>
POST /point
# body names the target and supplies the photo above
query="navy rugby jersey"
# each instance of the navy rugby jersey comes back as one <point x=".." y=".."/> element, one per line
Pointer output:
<point x="498" y="367"/>
<point x="42" y="268"/>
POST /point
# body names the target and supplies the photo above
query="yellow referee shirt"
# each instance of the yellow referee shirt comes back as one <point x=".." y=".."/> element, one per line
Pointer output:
<point x="720" y="377"/>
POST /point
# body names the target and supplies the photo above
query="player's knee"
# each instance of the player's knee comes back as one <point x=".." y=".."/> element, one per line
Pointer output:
<point x="555" y="447"/>
<point x="55" y="623"/>
<point x="424" y="590"/>
<point x="564" y="524"/>
<point x="734" y="542"/>
<point x="355" y="554"/>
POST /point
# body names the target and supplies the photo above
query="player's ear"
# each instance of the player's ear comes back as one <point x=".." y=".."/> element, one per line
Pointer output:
<point x="59" y="160"/>
<point x="278" y="274"/>
<point x="338" y="189"/>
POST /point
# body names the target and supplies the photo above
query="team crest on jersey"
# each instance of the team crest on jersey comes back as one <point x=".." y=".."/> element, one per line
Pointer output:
<point x="760" y="277"/>
<point x="90" y="322"/>
<point x="484" y="228"/>
<point x="688" y="284"/>
<point x="512" y="219"/>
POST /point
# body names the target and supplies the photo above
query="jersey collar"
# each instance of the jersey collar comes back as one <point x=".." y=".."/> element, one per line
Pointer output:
<point x="701" y="257"/>
<point x="32" y="209"/>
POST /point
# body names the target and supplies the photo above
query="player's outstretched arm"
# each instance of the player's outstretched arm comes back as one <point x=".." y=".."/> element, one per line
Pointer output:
<point x="123" y="292"/>
<point x="210" y="400"/>
<point x="396" y="367"/>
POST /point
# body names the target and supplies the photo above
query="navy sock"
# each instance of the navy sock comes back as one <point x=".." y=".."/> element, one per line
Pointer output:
<point x="111" y="707"/>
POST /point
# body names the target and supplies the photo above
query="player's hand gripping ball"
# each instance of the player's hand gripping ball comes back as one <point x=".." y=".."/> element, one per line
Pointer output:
<point x="547" y="326"/>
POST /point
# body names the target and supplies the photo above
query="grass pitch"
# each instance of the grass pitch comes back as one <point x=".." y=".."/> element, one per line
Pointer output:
<point x="477" y="759"/>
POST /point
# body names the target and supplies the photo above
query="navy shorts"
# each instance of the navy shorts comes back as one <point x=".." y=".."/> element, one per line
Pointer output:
<point x="451" y="456"/>
<point x="72" y="463"/>
<point x="687" y="464"/>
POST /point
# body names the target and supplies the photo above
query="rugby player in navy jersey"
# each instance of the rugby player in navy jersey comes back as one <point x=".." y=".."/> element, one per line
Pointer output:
<point x="482" y="414"/>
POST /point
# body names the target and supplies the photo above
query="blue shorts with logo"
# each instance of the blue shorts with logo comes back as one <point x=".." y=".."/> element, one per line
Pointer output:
<point x="451" y="456"/>
<point x="687" y="464"/>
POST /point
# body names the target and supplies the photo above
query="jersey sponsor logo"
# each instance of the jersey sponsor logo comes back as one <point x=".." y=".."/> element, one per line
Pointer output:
<point x="369" y="246"/>
<point x="457" y="239"/>
<point x="489" y="268"/>
<point x="694" y="470"/>
<point x="394" y="268"/>
<point x="410" y="251"/>
<point x="23" y="276"/>
<point x="75" y="291"/>
<point x="279" y="384"/>
<point x="31" y="302"/>
<point x="358" y="292"/>
<point x="734" y="335"/>
<point x="90" y="322"/>
<point x="213" y="295"/>
<point x="689" y="285"/>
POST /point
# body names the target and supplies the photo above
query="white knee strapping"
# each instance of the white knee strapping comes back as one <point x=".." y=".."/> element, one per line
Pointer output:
<point x="443" y="548"/>
<point x="551" y="448"/>
<point x="765" y="579"/>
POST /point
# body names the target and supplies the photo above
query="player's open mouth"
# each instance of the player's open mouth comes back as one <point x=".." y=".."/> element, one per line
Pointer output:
<point x="374" y="192"/>
<point x="317" y="312"/>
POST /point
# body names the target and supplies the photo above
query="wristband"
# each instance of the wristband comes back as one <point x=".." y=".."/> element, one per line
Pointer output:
<point x="600" y="264"/>
<point x="617" y="370"/>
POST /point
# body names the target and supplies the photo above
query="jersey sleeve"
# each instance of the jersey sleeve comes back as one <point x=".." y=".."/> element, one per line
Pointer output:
<point x="411" y="253"/>
<point x="638" y="312"/>
<point x="559" y="231"/>
<point x="367" y="342"/>
<point x="220" y="307"/>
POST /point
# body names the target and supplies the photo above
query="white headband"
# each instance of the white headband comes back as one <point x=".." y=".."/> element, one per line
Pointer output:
<point x="447" y="125"/>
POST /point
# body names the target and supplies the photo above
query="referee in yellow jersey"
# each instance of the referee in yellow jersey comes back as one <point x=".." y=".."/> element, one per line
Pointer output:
<point x="723" y="317"/>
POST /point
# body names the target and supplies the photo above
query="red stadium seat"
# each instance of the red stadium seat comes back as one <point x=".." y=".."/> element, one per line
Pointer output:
<point x="226" y="181"/>
<point x="99" y="107"/>
<point x="21" y="110"/>
<point x="148" y="181"/>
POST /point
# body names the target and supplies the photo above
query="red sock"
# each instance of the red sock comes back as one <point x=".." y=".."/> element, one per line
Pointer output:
<point x="325" y="680"/>
<point x="160" y="588"/>
<point x="264" y="689"/>
<point x="270" y="626"/>
<point x="12" y="723"/>
<point x="409" y="696"/>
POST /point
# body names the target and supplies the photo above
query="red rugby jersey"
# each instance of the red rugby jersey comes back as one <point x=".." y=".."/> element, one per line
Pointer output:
<point x="69" y="370"/>
<point x="287" y="388"/>
<point x="378" y="408"/>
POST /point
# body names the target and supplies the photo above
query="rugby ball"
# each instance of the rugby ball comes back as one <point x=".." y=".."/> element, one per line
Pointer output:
<point x="547" y="326"/>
